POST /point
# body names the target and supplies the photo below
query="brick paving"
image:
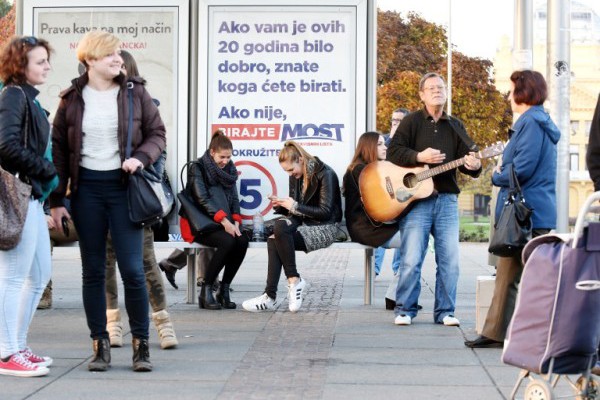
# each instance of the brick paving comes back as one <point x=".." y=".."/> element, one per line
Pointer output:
<point x="290" y="355"/>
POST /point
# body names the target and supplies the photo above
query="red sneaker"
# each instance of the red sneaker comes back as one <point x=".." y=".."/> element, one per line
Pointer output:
<point x="17" y="365"/>
<point x="35" y="359"/>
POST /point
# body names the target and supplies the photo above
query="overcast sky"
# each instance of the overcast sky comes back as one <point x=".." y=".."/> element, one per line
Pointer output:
<point x="477" y="26"/>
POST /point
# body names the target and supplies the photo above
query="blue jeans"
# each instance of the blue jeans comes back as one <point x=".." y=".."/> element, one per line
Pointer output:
<point x="379" y="253"/>
<point x="24" y="273"/>
<point x="100" y="204"/>
<point x="437" y="215"/>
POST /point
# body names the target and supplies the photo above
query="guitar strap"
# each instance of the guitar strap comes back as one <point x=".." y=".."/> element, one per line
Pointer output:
<point x="462" y="134"/>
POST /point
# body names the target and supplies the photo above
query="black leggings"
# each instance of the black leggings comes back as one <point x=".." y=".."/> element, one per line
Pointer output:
<point x="230" y="253"/>
<point x="282" y="252"/>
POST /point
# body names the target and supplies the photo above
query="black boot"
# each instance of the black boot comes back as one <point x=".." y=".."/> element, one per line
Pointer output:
<point x="206" y="298"/>
<point x="141" y="355"/>
<point x="169" y="273"/>
<point x="223" y="296"/>
<point x="101" y="360"/>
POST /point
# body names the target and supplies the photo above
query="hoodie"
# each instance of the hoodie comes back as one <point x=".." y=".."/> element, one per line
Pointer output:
<point x="532" y="152"/>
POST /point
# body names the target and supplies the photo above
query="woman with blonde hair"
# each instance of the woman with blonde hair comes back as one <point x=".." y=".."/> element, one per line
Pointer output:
<point x="311" y="213"/>
<point x="94" y="166"/>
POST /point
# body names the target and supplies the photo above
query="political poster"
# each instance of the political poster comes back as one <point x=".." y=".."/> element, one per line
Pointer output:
<point x="283" y="73"/>
<point x="153" y="34"/>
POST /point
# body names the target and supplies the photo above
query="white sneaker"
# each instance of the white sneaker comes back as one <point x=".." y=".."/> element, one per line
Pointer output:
<point x="403" y="319"/>
<point x="295" y="295"/>
<point x="258" y="304"/>
<point x="451" y="320"/>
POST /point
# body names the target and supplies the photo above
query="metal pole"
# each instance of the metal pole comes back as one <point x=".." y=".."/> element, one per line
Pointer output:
<point x="559" y="79"/>
<point x="371" y="67"/>
<point x="193" y="84"/>
<point x="522" y="57"/>
<point x="449" y="90"/>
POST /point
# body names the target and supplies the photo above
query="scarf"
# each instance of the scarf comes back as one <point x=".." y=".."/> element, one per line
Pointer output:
<point x="215" y="175"/>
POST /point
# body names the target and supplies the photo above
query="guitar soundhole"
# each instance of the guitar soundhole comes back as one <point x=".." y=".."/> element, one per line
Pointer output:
<point x="410" y="181"/>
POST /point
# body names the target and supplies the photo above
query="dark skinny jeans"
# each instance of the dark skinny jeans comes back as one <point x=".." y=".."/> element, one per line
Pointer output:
<point x="100" y="204"/>
<point x="282" y="252"/>
<point x="230" y="253"/>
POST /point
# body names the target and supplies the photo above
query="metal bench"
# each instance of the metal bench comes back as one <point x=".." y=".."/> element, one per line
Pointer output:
<point x="192" y="251"/>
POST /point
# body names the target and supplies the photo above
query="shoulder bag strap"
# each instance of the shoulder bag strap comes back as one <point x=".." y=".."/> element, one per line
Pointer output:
<point x="130" y="123"/>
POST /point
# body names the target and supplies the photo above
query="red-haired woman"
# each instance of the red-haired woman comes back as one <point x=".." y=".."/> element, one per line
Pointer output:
<point x="531" y="151"/>
<point x="25" y="270"/>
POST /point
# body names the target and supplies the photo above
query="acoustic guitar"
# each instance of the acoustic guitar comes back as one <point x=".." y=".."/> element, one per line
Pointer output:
<point x="387" y="189"/>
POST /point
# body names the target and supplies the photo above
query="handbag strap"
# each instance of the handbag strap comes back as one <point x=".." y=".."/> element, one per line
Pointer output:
<point x="130" y="123"/>
<point x="514" y="181"/>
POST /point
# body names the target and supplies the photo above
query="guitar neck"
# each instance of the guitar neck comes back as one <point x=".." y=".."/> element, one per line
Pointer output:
<point x="429" y="173"/>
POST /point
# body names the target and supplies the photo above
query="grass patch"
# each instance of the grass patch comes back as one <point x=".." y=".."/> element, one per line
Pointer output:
<point x="474" y="229"/>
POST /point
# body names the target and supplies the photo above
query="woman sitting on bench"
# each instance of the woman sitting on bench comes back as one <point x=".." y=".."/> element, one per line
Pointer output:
<point x="311" y="212"/>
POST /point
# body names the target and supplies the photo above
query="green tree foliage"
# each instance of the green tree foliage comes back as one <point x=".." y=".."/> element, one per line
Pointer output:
<point x="7" y="25"/>
<point x="5" y="7"/>
<point x="409" y="47"/>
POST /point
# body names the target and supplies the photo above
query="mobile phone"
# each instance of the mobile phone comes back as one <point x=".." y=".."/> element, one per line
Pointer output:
<point x="65" y="226"/>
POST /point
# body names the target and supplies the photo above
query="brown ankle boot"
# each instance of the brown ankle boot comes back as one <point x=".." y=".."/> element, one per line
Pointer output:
<point x="101" y="360"/>
<point x="166" y="333"/>
<point x="141" y="355"/>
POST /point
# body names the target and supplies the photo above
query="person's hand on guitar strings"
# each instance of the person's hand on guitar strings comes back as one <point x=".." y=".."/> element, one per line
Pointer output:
<point x="431" y="156"/>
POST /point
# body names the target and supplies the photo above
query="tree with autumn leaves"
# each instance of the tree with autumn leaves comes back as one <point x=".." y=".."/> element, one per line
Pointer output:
<point x="409" y="47"/>
<point x="7" y="21"/>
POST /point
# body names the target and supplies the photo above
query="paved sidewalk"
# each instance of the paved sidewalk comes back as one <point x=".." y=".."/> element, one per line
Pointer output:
<point x="333" y="348"/>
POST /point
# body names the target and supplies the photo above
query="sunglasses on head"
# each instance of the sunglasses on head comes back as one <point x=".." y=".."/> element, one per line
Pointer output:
<point x="30" y="40"/>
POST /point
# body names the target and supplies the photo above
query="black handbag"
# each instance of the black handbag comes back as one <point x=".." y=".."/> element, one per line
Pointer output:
<point x="148" y="202"/>
<point x="513" y="228"/>
<point x="200" y="222"/>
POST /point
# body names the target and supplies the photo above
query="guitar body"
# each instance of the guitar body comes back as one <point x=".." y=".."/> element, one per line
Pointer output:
<point x="387" y="189"/>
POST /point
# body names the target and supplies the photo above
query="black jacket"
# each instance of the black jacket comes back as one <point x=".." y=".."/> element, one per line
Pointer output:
<point x="322" y="202"/>
<point x="28" y="161"/>
<point x="361" y="229"/>
<point x="216" y="200"/>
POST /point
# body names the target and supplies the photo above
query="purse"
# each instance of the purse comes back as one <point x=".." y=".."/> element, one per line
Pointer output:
<point x="513" y="229"/>
<point x="148" y="202"/>
<point x="14" y="196"/>
<point x="199" y="222"/>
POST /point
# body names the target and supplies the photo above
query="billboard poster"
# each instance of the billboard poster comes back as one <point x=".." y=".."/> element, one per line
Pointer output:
<point x="152" y="34"/>
<point x="277" y="74"/>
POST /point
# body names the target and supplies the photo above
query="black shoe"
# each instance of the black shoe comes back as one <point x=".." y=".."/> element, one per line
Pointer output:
<point x="206" y="299"/>
<point x="223" y="296"/>
<point x="391" y="304"/>
<point x="141" y="355"/>
<point x="101" y="360"/>
<point x="482" y="342"/>
<point x="169" y="273"/>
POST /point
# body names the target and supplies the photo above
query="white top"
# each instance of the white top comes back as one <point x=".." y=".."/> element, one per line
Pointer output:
<point x="100" y="145"/>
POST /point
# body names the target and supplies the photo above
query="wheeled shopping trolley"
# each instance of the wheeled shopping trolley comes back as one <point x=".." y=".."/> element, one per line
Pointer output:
<point x="555" y="329"/>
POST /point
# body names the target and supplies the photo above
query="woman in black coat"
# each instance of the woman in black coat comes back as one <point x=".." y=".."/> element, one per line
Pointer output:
<point x="211" y="181"/>
<point x="311" y="211"/>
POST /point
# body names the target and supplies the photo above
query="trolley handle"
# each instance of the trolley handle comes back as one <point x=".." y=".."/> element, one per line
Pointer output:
<point x="579" y="224"/>
<point x="588" y="285"/>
